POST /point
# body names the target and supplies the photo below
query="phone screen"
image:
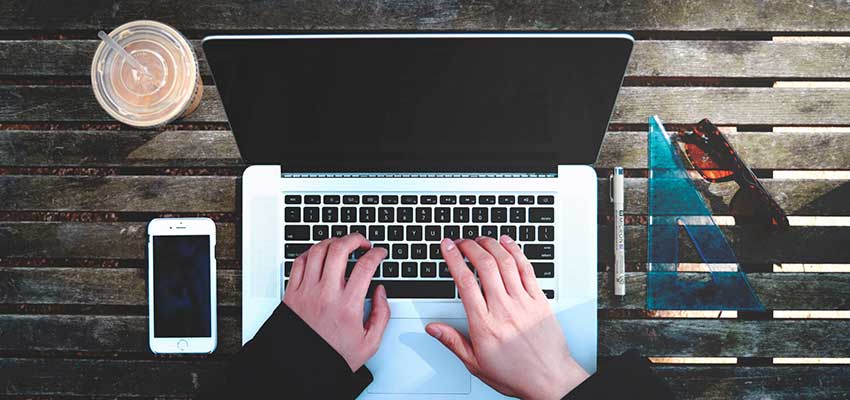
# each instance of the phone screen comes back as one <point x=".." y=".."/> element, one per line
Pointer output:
<point x="181" y="287"/>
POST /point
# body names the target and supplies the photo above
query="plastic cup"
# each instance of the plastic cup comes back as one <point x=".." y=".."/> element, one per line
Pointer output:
<point x="171" y="87"/>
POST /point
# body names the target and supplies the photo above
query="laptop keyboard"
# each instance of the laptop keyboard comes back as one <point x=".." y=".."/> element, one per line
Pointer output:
<point x="410" y="227"/>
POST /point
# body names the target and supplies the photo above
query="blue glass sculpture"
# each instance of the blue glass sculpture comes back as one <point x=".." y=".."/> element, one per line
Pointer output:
<point x="677" y="212"/>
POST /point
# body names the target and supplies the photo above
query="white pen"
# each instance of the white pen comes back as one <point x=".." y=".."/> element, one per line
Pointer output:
<point x="619" y="233"/>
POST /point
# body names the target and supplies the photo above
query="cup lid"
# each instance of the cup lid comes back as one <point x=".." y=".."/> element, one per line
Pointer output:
<point x="145" y="98"/>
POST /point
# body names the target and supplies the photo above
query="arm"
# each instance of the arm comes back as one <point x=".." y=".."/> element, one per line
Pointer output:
<point x="313" y="346"/>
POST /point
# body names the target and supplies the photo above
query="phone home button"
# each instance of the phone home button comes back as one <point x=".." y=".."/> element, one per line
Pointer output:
<point x="182" y="344"/>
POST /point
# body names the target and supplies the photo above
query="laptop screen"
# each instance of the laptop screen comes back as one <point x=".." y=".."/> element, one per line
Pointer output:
<point x="420" y="102"/>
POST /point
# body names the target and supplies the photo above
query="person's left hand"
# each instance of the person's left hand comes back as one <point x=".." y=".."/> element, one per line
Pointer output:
<point x="318" y="293"/>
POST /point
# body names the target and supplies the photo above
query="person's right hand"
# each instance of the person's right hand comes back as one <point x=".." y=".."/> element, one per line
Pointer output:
<point x="515" y="343"/>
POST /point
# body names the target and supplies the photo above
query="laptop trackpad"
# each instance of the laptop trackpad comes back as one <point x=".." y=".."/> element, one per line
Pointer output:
<point x="411" y="361"/>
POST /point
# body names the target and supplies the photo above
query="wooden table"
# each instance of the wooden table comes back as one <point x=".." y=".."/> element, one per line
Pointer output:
<point x="77" y="188"/>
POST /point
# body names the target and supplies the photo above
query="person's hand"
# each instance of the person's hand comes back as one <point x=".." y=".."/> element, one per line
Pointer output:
<point x="515" y="343"/>
<point x="318" y="293"/>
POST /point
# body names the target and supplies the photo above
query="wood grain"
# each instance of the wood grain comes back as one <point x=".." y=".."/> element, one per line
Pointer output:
<point x="650" y="58"/>
<point x="228" y="15"/>
<point x="679" y="105"/>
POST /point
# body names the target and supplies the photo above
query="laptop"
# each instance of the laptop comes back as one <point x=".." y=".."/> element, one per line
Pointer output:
<point x="409" y="138"/>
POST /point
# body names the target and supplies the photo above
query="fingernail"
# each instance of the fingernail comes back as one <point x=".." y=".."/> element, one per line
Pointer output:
<point x="506" y="239"/>
<point x="435" y="332"/>
<point x="449" y="244"/>
<point x="382" y="292"/>
<point x="478" y="238"/>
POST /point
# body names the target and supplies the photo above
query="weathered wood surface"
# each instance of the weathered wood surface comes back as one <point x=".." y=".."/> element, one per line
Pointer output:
<point x="230" y="15"/>
<point x="679" y="105"/>
<point x="650" y="58"/>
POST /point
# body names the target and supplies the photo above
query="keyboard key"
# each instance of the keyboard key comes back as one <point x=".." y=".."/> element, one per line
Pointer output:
<point x="451" y="232"/>
<point x="408" y="200"/>
<point x="376" y="232"/>
<point x="461" y="214"/>
<point x="428" y="269"/>
<point x="349" y="268"/>
<point x="517" y="214"/>
<point x="320" y="232"/>
<point x="486" y="199"/>
<point x="550" y="294"/>
<point x="339" y="231"/>
<point x="526" y="233"/>
<point x="395" y="233"/>
<point x="296" y="232"/>
<point x="444" y="270"/>
<point x="390" y="269"/>
<point x="545" y="199"/>
<point x="504" y="199"/>
<point x="467" y="199"/>
<point x="385" y="246"/>
<point x="348" y="214"/>
<point x="479" y="214"/>
<point x="416" y="289"/>
<point x="389" y="199"/>
<point x="428" y="199"/>
<point x="408" y="270"/>
<point x="490" y="230"/>
<point x="293" y="250"/>
<point x="399" y="251"/>
<point x="330" y="214"/>
<point x="356" y="254"/>
<point x="311" y="214"/>
<point x="546" y="233"/>
<point x="292" y="214"/>
<point x="544" y="269"/>
<point x="448" y="199"/>
<point x="418" y="251"/>
<point x="539" y="251"/>
<point x="435" y="252"/>
<point x="498" y="214"/>
<point x="442" y="214"/>
<point x="526" y="200"/>
<point x="292" y="199"/>
<point x="509" y="230"/>
<point x="351" y="199"/>
<point x="361" y="229"/>
<point x="367" y="214"/>
<point x="331" y="199"/>
<point x="287" y="268"/>
<point x="404" y="214"/>
<point x="414" y="233"/>
<point x="432" y="233"/>
<point x="423" y="214"/>
<point x="386" y="214"/>
<point x="370" y="199"/>
<point x="540" y="214"/>
<point x="470" y="232"/>
<point x="312" y="199"/>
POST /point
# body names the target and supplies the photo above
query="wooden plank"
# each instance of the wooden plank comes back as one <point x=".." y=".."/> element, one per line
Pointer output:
<point x="776" y="290"/>
<point x="95" y="286"/>
<point x="680" y="105"/>
<point x="650" y="58"/>
<point x="98" y="240"/>
<point x="760" y="150"/>
<point x="115" y="378"/>
<point x="118" y="148"/>
<point x="118" y="193"/>
<point x="227" y="15"/>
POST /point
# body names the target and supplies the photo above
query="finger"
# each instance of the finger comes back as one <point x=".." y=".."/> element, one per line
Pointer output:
<point x="456" y="342"/>
<point x="297" y="272"/>
<point x="361" y="276"/>
<point x="526" y="270"/>
<point x="488" y="270"/>
<point x="507" y="265"/>
<point x="333" y="274"/>
<point x="378" y="318"/>
<point x="467" y="286"/>
<point x="315" y="262"/>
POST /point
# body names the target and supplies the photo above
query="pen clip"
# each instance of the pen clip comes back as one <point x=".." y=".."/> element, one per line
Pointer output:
<point x="611" y="187"/>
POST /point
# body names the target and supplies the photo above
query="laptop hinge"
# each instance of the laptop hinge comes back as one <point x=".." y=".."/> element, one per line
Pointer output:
<point x="419" y="175"/>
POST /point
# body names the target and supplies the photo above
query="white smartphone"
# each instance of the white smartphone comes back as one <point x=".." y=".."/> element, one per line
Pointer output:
<point x="181" y="285"/>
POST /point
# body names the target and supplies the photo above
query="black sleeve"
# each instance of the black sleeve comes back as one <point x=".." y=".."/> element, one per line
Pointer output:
<point x="624" y="378"/>
<point x="287" y="360"/>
